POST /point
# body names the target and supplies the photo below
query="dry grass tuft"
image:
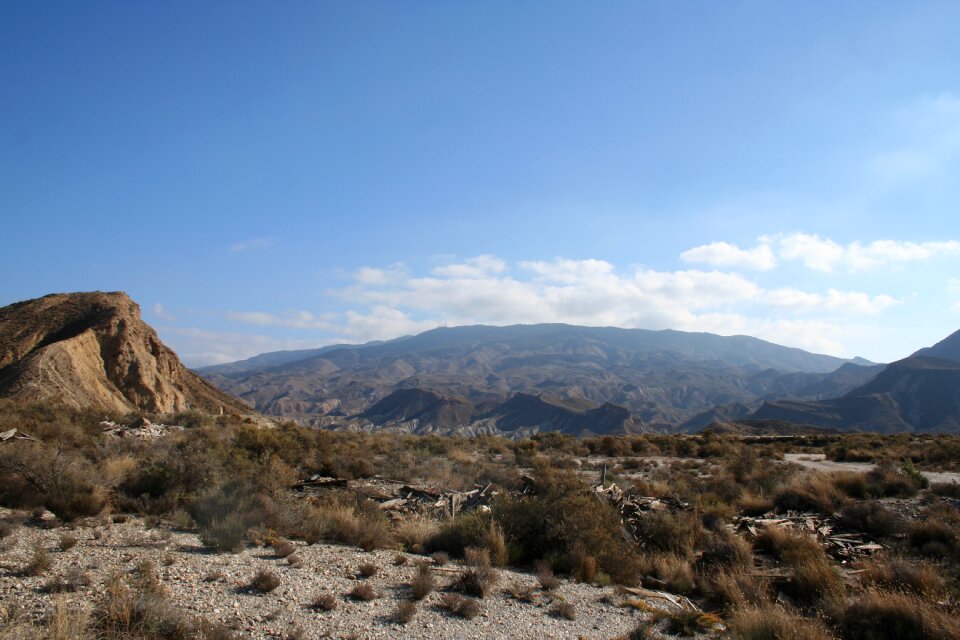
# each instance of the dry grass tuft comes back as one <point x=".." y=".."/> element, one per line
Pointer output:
<point x="773" y="622"/>
<point x="368" y="570"/>
<point x="363" y="592"/>
<point x="67" y="542"/>
<point x="325" y="602"/>
<point x="565" y="610"/>
<point x="283" y="548"/>
<point x="544" y="572"/>
<point x="480" y="577"/>
<point x="903" y="575"/>
<point x="879" y="614"/>
<point x="406" y="610"/>
<point x="423" y="581"/>
<point x="459" y="605"/>
<point x="265" y="581"/>
<point x="40" y="562"/>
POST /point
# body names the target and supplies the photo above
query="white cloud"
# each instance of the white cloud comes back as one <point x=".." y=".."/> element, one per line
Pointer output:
<point x="724" y="254"/>
<point x="199" y="347"/>
<point x="161" y="312"/>
<point x="826" y="255"/>
<point x="296" y="319"/>
<point x="850" y="302"/>
<point x="262" y="242"/>
<point x="815" y="253"/>
<point x="477" y="267"/>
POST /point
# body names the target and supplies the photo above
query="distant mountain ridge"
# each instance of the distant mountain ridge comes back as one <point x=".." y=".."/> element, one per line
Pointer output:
<point x="657" y="378"/>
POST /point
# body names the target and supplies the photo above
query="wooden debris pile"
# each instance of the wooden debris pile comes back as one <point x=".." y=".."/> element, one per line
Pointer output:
<point x="398" y="498"/>
<point x="139" y="428"/>
<point x="633" y="508"/>
<point x="838" y="544"/>
<point x="11" y="435"/>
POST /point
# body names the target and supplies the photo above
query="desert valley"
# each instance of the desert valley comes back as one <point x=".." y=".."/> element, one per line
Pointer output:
<point x="477" y="482"/>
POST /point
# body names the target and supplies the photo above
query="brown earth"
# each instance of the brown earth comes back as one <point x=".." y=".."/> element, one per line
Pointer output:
<point x="93" y="350"/>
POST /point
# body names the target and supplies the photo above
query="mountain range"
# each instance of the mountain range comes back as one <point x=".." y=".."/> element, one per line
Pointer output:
<point x="93" y="350"/>
<point x="527" y="378"/>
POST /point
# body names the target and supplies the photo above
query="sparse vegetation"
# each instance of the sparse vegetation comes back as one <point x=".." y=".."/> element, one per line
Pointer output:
<point x="236" y="490"/>
<point x="363" y="592"/>
<point x="265" y="581"/>
<point x="325" y="602"/>
<point x="459" y="605"/>
<point x="406" y="610"/>
<point x="423" y="581"/>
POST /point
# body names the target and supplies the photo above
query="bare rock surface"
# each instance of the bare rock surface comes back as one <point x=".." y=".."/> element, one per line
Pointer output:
<point x="93" y="350"/>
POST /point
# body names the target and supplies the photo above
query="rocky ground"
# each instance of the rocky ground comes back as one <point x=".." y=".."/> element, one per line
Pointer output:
<point x="216" y="587"/>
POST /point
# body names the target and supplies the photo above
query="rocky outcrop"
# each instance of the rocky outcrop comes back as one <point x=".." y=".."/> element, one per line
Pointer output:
<point x="93" y="350"/>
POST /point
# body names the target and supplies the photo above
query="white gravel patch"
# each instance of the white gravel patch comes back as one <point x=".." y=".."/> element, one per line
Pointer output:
<point x="214" y="586"/>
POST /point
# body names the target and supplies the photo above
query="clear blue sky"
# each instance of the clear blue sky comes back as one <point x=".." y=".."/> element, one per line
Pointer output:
<point x="263" y="175"/>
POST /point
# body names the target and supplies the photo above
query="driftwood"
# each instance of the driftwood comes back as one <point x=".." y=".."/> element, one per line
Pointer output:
<point x="15" y="434"/>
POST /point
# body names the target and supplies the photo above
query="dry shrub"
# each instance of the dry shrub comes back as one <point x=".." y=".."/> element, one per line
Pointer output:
<point x="563" y="518"/>
<point x="423" y="581"/>
<point x="440" y="558"/>
<point x="73" y="580"/>
<point x="946" y="489"/>
<point x="778" y="541"/>
<point x="673" y="532"/>
<point x="414" y="532"/>
<point x="368" y="570"/>
<point x="7" y="527"/>
<point x="903" y="575"/>
<point x="458" y="605"/>
<point x="565" y="610"/>
<point x="146" y="578"/>
<point x="871" y="517"/>
<point x="814" y="576"/>
<point x="544" y="573"/>
<point x="879" y="615"/>
<point x="67" y="542"/>
<point x="934" y="535"/>
<point x="584" y="566"/>
<point x="496" y="544"/>
<point x="405" y="612"/>
<point x="689" y="622"/>
<point x="673" y="572"/>
<point x="325" y="602"/>
<point x="363" y="592"/>
<point x="361" y="524"/>
<point x="283" y="548"/>
<point x="774" y="622"/>
<point x="810" y="492"/>
<point x="265" y="581"/>
<point x="225" y="534"/>
<point x="480" y="577"/>
<point x="399" y="560"/>
<point x="725" y="550"/>
<point x="123" y="614"/>
<point x="754" y="505"/>
<point x="738" y="590"/>
<point x="40" y="562"/>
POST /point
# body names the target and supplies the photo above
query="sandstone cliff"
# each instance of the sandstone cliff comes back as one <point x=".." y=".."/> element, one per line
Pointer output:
<point x="94" y="350"/>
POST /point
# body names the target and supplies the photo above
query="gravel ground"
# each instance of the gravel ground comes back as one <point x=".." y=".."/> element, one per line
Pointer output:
<point x="214" y="586"/>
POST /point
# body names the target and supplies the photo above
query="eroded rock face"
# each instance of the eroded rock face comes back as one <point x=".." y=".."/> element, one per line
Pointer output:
<point x="94" y="350"/>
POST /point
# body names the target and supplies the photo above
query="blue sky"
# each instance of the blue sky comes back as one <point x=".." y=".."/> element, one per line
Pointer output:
<point x="261" y="176"/>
